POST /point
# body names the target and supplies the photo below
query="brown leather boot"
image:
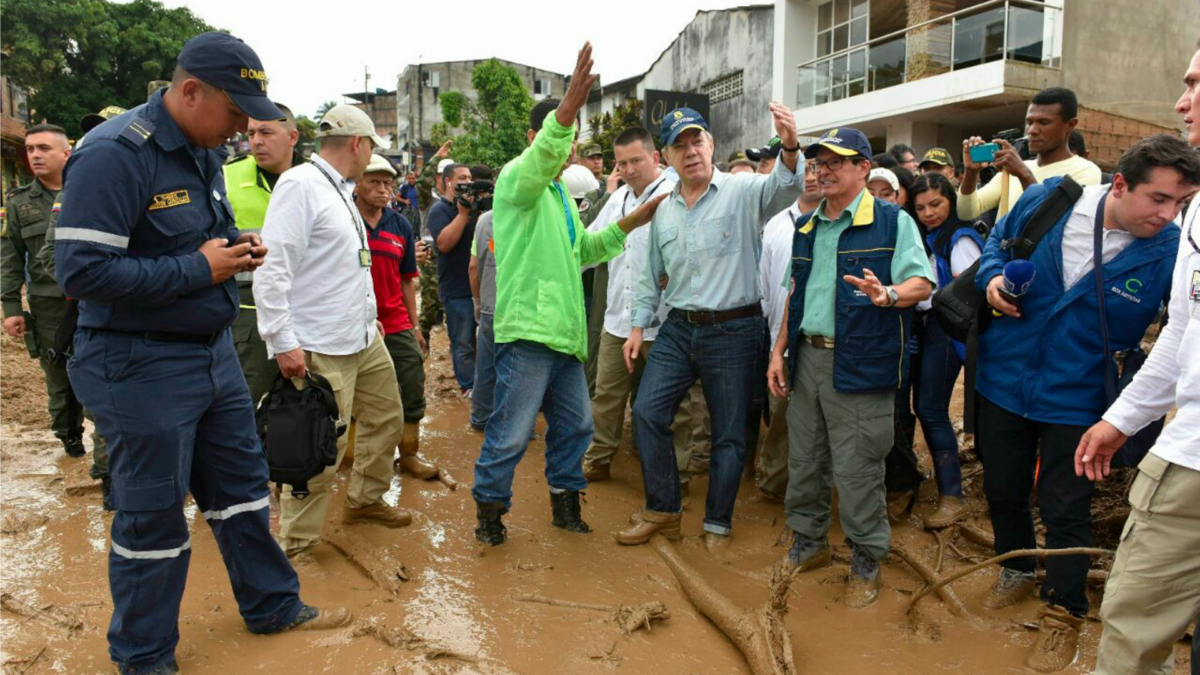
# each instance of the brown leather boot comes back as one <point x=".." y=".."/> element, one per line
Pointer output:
<point x="1058" y="639"/>
<point x="379" y="513"/>
<point x="949" y="511"/>
<point x="716" y="544"/>
<point x="653" y="522"/>
<point x="1010" y="588"/>
<point x="411" y="461"/>
<point x="597" y="472"/>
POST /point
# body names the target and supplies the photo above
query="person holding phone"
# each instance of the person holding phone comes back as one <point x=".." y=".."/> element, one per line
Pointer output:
<point x="1051" y="116"/>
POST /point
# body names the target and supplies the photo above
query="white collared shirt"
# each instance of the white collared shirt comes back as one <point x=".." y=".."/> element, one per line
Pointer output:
<point x="312" y="291"/>
<point x="626" y="268"/>
<point x="1171" y="375"/>
<point x="1078" y="245"/>
<point x="776" y="266"/>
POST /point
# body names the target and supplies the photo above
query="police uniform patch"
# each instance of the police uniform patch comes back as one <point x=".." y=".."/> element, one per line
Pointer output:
<point x="28" y="213"/>
<point x="168" y="200"/>
<point x="138" y="131"/>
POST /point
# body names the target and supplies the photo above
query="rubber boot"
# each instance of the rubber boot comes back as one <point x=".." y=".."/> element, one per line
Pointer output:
<point x="74" y="446"/>
<point x="491" y="530"/>
<point x="106" y="493"/>
<point x="565" y="507"/>
<point x="410" y="461"/>
<point x="652" y="523"/>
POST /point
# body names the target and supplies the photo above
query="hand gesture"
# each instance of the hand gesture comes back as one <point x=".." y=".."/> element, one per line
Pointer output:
<point x="642" y="214"/>
<point x="225" y="260"/>
<point x="785" y="124"/>
<point x="581" y="84"/>
<point x="871" y="286"/>
<point x="443" y="151"/>
<point x="1008" y="160"/>
<point x="613" y="180"/>
<point x="968" y="163"/>
<point x="257" y="250"/>
<point x="1096" y="449"/>
<point x="997" y="300"/>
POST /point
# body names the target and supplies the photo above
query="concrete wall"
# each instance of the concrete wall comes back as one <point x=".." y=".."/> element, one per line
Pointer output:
<point x="795" y="32"/>
<point x="1127" y="57"/>
<point x="716" y="44"/>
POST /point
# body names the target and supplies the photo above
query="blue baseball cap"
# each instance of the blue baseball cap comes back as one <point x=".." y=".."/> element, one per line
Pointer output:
<point x="845" y="141"/>
<point x="679" y="120"/>
<point x="225" y="62"/>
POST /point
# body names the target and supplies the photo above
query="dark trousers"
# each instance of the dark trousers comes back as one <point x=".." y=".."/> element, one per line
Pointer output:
<point x="460" y="326"/>
<point x="936" y="373"/>
<point x="1011" y="446"/>
<point x="902" y="472"/>
<point x="483" y="395"/>
<point x="178" y="419"/>
<point x="722" y="356"/>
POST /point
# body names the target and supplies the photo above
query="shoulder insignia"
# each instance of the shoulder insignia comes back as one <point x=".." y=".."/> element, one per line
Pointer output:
<point x="20" y="188"/>
<point x="138" y="131"/>
<point x="168" y="200"/>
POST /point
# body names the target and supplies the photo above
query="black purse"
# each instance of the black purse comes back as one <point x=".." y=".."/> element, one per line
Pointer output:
<point x="299" y="430"/>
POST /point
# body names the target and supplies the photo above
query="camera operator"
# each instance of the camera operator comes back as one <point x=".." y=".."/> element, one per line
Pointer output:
<point x="1051" y="116"/>
<point x="452" y="225"/>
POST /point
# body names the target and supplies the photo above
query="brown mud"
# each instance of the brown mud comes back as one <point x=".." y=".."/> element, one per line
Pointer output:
<point x="428" y="599"/>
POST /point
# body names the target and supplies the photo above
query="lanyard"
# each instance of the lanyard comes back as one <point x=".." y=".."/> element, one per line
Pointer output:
<point x="1191" y="227"/>
<point x="646" y="195"/>
<point x="567" y="212"/>
<point x="364" y="252"/>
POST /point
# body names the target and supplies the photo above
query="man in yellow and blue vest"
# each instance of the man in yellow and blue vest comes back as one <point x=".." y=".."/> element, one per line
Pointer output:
<point x="248" y="183"/>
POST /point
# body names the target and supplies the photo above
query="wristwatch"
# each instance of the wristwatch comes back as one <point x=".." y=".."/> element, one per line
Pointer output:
<point x="893" y="296"/>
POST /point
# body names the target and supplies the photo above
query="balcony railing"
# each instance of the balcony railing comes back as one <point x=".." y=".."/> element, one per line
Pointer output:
<point x="1020" y="30"/>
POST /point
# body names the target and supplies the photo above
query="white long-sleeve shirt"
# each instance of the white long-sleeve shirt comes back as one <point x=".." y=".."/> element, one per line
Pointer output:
<point x="776" y="266"/>
<point x="626" y="268"/>
<point x="1171" y="374"/>
<point x="313" y="290"/>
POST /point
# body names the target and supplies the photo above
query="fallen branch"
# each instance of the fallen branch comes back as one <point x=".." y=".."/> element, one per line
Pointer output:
<point x="50" y="615"/>
<point x="940" y="535"/>
<point x="977" y="536"/>
<point x="22" y="666"/>
<point x="447" y="480"/>
<point x="628" y="617"/>
<point x="387" y="574"/>
<point x="758" y="633"/>
<point x="945" y="593"/>
<point x="1021" y="553"/>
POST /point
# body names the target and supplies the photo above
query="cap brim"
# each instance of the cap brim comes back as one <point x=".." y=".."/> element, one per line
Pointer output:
<point x="256" y="107"/>
<point x="380" y="143"/>
<point x="91" y="121"/>
<point x="753" y="155"/>
<point x="933" y="161"/>
<point x="675" y="134"/>
<point x="811" y="151"/>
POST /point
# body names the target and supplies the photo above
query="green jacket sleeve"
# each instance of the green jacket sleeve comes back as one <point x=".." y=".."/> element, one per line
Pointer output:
<point x="525" y="178"/>
<point x="12" y="267"/>
<point x="602" y="246"/>
<point x="46" y="256"/>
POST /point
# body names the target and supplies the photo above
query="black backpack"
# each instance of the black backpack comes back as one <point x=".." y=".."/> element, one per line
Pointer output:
<point x="299" y="430"/>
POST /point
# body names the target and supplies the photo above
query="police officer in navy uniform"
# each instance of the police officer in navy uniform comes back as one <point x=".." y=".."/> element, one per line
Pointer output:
<point x="146" y="241"/>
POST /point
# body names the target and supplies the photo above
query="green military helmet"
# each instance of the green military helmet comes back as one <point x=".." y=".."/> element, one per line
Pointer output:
<point x="92" y="120"/>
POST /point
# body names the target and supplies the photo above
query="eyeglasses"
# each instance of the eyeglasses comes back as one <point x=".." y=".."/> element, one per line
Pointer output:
<point x="833" y="164"/>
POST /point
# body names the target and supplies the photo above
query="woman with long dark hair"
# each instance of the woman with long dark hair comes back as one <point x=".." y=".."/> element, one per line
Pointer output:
<point x="953" y="246"/>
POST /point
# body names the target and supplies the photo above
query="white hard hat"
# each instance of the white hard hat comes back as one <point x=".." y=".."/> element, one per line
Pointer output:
<point x="579" y="181"/>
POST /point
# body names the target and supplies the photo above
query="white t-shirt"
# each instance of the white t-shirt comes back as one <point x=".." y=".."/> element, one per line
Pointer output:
<point x="963" y="255"/>
<point x="775" y="267"/>
<point x="987" y="197"/>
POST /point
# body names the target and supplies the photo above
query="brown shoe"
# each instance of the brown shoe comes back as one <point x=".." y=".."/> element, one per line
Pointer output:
<point x="864" y="581"/>
<point x="1058" y="638"/>
<point x="900" y="504"/>
<point x="949" y="511"/>
<point x="311" y="618"/>
<point x="716" y="544"/>
<point x="653" y="522"/>
<point x="378" y="512"/>
<point x="1010" y="588"/>
<point x="416" y="466"/>
<point x="597" y="472"/>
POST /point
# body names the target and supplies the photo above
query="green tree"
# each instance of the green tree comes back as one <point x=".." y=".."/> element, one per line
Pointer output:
<point x="308" y="133"/>
<point x="494" y="124"/>
<point x="603" y="128"/>
<point x="324" y="108"/>
<point x="78" y="56"/>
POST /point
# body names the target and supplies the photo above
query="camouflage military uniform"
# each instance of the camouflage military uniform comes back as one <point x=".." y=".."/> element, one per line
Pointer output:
<point x="431" y="313"/>
<point x="598" y="291"/>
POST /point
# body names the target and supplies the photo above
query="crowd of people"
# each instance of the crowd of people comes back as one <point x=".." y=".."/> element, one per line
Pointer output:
<point x="791" y="285"/>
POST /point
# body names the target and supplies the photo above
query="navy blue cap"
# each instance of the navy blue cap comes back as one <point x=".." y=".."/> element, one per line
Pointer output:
<point x="225" y="62"/>
<point x="845" y="141"/>
<point x="679" y="120"/>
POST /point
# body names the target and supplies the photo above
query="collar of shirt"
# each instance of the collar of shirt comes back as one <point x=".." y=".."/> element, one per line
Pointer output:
<point x="629" y="201"/>
<point x="849" y="212"/>
<point x="718" y="179"/>
<point x="343" y="182"/>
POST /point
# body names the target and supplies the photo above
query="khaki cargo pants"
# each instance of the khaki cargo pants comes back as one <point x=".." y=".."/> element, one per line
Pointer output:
<point x="365" y="387"/>
<point x="1153" y="591"/>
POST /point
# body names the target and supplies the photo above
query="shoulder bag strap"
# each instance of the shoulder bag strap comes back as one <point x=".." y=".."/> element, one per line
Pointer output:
<point x="1110" y="380"/>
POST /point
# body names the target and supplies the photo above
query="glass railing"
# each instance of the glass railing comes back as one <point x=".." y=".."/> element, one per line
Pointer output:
<point x="1019" y="30"/>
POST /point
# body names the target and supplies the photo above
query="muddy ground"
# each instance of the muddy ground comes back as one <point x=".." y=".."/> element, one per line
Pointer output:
<point x="456" y="609"/>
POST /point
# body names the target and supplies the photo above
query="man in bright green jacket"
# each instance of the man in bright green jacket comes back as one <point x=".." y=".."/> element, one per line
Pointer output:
<point x="540" y="327"/>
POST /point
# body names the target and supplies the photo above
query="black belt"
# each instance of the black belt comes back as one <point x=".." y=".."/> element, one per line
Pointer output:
<point x="162" y="336"/>
<point x="708" y="318"/>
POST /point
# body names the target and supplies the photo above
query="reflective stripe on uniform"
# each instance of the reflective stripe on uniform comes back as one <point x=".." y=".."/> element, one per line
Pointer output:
<point x="237" y="508"/>
<point x="91" y="236"/>
<point x="151" y="555"/>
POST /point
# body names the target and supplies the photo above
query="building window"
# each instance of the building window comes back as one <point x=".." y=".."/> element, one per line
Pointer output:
<point x="842" y="24"/>
<point x="723" y="88"/>
<point x="541" y="87"/>
<point x="431" y="78"/>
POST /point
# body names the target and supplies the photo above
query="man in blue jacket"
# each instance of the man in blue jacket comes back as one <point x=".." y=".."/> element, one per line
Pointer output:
<point x="1041" y="366"/>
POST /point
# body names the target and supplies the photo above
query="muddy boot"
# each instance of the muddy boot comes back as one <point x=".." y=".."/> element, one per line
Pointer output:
<point x="865" y="579"/>
<point x="1058" y="637"/>
<point x="106" y="493"/>
<point x="653" y="522"/>
<point x="380" y="513"/>
<point x="74" y="446"/>
<point x="597" y="472"/>
<point x="1010" y="588"/>
<point x="807" y="554"/>
<point x="410" y="461"/>
<point x="716" y="544"/>
<point x="565" y="509"/>
<point x="170" y="668"/>
<point x="900" y="504"/>
<point x="311" y="618"/>
<point x="490" y="531"/>
<point x="949" y="511"/>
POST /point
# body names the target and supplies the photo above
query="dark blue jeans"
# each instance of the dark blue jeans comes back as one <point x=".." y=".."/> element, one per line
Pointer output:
<point x="484" y="393"/>
<point x="531" y="377"/>
<point x="937" y="371"/>
<point x="460" y="327"/>
<point x="722" y="356"/>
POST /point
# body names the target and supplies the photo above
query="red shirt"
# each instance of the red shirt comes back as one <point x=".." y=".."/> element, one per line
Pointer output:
<point x="393" y="260"/>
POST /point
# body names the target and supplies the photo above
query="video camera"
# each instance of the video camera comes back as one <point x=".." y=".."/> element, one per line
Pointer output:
<point x="475" y="195"/>
<point x="1016" y="138"/>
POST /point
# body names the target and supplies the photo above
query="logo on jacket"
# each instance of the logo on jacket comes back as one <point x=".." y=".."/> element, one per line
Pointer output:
<point x="1133" y="285"/>
<point x="168" y="200"/>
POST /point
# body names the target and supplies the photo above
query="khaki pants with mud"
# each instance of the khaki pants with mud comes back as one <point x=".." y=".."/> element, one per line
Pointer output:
<point x="365" y="387"/>
<point x="1153" y="591"/>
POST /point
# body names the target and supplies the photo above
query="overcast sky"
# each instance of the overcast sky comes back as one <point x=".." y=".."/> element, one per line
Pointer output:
<point x="313" y="52"/>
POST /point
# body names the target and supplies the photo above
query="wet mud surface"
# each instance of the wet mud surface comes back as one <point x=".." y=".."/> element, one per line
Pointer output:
<point x="430" y="599"/>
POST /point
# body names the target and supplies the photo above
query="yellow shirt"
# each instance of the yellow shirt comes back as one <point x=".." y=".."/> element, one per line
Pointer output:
<point x="987" y="198"/>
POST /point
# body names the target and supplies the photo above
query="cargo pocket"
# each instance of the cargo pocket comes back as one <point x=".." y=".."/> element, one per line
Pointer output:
<point x="1149" y="489"/>
<point x="143" y="494"/>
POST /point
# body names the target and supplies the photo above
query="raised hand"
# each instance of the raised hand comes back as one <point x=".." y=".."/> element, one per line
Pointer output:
<point x="581" y="84"/>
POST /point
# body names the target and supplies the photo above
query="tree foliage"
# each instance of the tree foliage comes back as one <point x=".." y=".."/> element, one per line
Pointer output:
<point x="494" y="124"/>
<point x="79" y="56"/>
<point x="324" y="108"/>
<point x="308" y="133"/>
<point x="603" y="128"/>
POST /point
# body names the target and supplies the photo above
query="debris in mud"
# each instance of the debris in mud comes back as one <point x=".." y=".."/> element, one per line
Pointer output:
<point x="91" y="487"/>
<point x="18" y="521"/>
<point x="52" y="615"/>
<point x="394" y="637"/>
<point x="944" y="592"/>
<point x="22" y="665"/>
<point x="376" y="563"/>
<point x="446" y="479"/>
<point x="627" y="617"/>
<point x="523" y="566"/>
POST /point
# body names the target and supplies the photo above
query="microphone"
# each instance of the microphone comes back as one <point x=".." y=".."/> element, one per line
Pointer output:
<point x="1018" y="277"/>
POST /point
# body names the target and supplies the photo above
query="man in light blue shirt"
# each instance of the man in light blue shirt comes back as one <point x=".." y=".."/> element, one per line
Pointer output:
<point x="705" y="240"/>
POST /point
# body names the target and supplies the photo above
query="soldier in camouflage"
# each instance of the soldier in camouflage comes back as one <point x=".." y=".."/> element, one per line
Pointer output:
<point x="429" y="184"/>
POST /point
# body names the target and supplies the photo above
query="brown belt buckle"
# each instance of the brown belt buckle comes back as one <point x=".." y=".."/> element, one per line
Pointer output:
<point x="820" y="342"/>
